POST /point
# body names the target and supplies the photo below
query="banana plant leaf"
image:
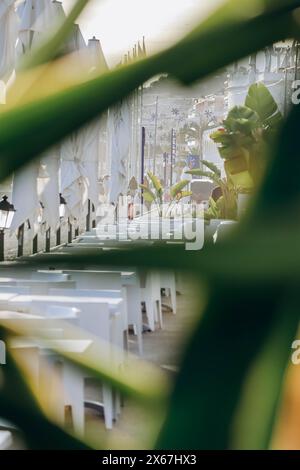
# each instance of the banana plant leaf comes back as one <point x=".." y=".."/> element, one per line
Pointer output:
<point x="178" y="187"/>
<point x="260" y="100"/>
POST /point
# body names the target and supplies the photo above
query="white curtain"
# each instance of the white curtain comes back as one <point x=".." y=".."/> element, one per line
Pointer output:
<point x="72" y="183"/>
<point x="37" y="181"/>
<point x="48" y="187"/>
<point x="90" y="135"/>
<point x="36" y="17"/>
<point x="90" y="154"/>
<point x="24" y="195"/>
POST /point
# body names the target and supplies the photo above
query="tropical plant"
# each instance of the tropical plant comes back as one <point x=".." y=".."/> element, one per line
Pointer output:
<point x="225" y="207"/>
<point x="155" y="193"/>
<point x="231" y="377"/>
<point x="245" y="133"/>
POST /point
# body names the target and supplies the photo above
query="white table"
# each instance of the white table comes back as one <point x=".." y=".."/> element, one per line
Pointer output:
<point x="115" y="279"/>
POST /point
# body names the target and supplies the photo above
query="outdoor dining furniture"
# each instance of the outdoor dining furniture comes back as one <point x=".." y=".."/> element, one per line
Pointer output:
<point x="5" y="440"/>
<point x="35" y="286"/>
<point x="99" y="316"/>
<point x="126" y="281"/>
<point x="168" y="282"/>
<point x="151" y="295"/>
<point x="57" y="382"/>
<point x="117" y="294"/>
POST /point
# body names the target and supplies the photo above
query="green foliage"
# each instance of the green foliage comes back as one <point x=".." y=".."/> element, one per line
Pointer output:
<point x="231" y="375"/>
<point x="177" y="188"/>
<point x="226" y="206"/>
<point x="156" y="193"/>
<point x="244" y="136"/>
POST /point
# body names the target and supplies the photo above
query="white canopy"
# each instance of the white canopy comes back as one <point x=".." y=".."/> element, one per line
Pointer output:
<point x="35" y="20"/>
<point x="38" y="181"/>
<point x="72" y="184"/>
<point x="91" y="134"/>
<point x="48" y="187"/>
<point x="24" y="195"/>
<point x="119" y="137"/>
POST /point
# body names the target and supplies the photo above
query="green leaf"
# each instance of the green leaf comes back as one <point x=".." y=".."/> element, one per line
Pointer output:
<point x="211" y="166"/>
<point x="187" y="60"/>
<point x="257" y="411"/>
<point x="156" y="183"/>
<point x="260" y="100"/>
<point x="241" y="119"/>
<point x="183" y="194"/>
<point x="147" y="193"/>
<point x="178" y="187"/>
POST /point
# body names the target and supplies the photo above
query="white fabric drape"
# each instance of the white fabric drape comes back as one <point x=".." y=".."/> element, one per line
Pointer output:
<point x="24" y="195"/>
<point x="36" y="17"/>
<point x="72" y="183"/>
<point x="119" y="132"/>
<point x="8" y="37"/>
<point x="90" y="160"/>
<point x="48" y="187"/>
<point x="90" y="135"/>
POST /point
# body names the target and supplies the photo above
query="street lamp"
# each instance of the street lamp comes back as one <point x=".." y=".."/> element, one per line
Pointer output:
<point x="62" y="213"/>
<point x="7" y="212"/>
<point x="62" y="206"/>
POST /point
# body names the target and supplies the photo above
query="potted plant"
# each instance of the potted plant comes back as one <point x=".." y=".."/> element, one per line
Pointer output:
<point x="154" y="193"/>
<point x="222" y="205"/>
<point x="243" y="138"/>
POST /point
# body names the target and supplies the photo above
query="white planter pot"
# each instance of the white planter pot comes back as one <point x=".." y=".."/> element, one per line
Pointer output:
<point x="210" y="229"/>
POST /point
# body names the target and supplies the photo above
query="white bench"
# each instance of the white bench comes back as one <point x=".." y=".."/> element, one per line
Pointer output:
<point x="99" y="316"/>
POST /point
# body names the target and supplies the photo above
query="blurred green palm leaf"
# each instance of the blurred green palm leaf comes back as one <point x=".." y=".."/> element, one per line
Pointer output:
<point x="187" y="60"/>
<point x="243" y="315"/>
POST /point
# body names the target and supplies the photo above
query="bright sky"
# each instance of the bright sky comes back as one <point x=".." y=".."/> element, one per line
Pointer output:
<point x="119" y="24"/>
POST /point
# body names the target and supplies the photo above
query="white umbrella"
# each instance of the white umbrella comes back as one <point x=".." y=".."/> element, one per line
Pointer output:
<point x="48" y="187"/>
<point x="35" y="20"/>
<point x="24" y="195"/>
<point x="91" y="134"/>
<point x="72" y="184"/>
<point x="119" y="132"/>
<point x="8" y="37"/>
<point x="36" y="17"/>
